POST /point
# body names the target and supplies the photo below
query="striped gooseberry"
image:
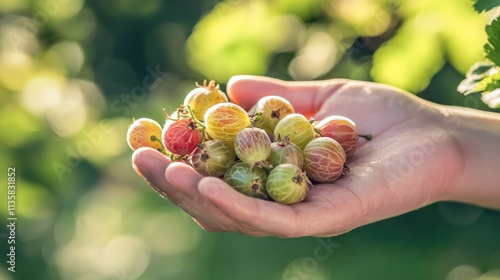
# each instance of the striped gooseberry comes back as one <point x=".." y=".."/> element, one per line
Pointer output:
<point x="144" y="132"/>
<point x="246" y="180"/>
<point x="284" y="151"/>
<point x="182" y="136"/>
<point x="341" y="129"/>
<point x="203" y="97"/>
<point x="299" y="130"/>
<point x="272" y="109"/>
<point x="212" y="158"/>
<point x="253" y="146"/>
<point x="287" y="184"/>
<point x="324" y="160"/>
<point x="223" y="121"/>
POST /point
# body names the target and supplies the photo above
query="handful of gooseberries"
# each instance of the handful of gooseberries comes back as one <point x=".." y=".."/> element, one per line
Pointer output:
<point x="270" y="152"/>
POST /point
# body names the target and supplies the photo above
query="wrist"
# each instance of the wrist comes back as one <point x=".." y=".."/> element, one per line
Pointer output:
<point x="476" y="135"/>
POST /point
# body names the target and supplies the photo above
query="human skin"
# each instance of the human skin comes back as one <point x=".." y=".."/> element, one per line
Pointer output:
<point x="421" y="153"/>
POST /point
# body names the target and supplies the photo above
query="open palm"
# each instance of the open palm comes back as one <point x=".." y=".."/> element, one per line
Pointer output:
<point x="410" y="163"/>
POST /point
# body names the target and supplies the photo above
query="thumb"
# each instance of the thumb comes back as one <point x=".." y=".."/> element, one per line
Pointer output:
<point x="305" y="97"/>
<point x="150" y="165"/>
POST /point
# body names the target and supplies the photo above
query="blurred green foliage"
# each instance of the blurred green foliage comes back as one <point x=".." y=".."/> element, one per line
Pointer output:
<point x="74" y="73"/>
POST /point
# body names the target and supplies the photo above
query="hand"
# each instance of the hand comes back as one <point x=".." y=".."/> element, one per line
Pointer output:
<point x="411" y="162"/>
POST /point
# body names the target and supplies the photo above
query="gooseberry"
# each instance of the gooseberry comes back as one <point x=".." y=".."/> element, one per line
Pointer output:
<point x="253" y="146"/>
<point x="204" y="97"/>
<point x="324" y="160"/>
<point x="284" y="151"/>
<point x="212" y="158"/>
<point x="182" y="136"/>
<point x="273" y="109"/>
<point x="246" y="180"/>
<point x="342" y="130"/>
<point x="287" y="184"/>
<point x="299" y="130"/>
<point x="144" y="132"/>
<point x="224" y="120"/>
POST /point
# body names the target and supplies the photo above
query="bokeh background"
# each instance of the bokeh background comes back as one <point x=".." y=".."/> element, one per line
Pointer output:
<point x="73" y="73"/>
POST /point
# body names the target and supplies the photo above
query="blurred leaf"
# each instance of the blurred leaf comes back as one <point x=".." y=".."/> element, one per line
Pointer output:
<point x="492" y="48"/>
<point x="458" y="31"/>
<point x="367" y="18"/>
<point x="27" y="127"/>
<point x="304" y="9"/>
<point x="219" y="50"/>
<point x="424" y="41"/>
<point x="410" y="59"/>
<point x="37" y="201"/>
<point x="485" y="5"/>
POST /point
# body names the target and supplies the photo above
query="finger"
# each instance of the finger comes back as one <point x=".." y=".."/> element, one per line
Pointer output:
<point x="181" y="188"/>
<point x="258" y="217"/>
<point x="206" y="214"/>
<point x="184" y="178"/>
<point x="150" y="165"/>
<point x="153" y="166"/>
<point x="330" y="211"/>
<point x="305" y="97"/>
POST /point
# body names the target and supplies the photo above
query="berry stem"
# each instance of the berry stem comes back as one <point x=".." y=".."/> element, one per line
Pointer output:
<point x="200" y="86"/>
<point x="298" y="179"/>
<point x="261" y="164"/>
<point x="318" y="132"/>
<point x="255" y="118"/>
<point x="169" y="117"/>
<point x="210" y="86"/>
<point x="203" y="137"/>
<point x="313" y="121"/>
<point x="191" y="114"/>
<point x="283" y="142"/>
<point x="366" y="136"/>
<point x="346" y="170"/>
<point x="198" y="122"/>
<point x="162" y="150"/>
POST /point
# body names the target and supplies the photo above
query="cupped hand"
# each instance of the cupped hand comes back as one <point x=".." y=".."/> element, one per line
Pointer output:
<point x="411" y="162"/>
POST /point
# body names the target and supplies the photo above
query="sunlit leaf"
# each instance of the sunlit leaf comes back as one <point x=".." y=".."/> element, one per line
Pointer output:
<point x="492" y="98"/>
<point x="490" y="82"/>
<point x="492" y="48"/>
<point x="474" y="76"/>
<point x="484" y="78"/>
<point x="480" y="68"/>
